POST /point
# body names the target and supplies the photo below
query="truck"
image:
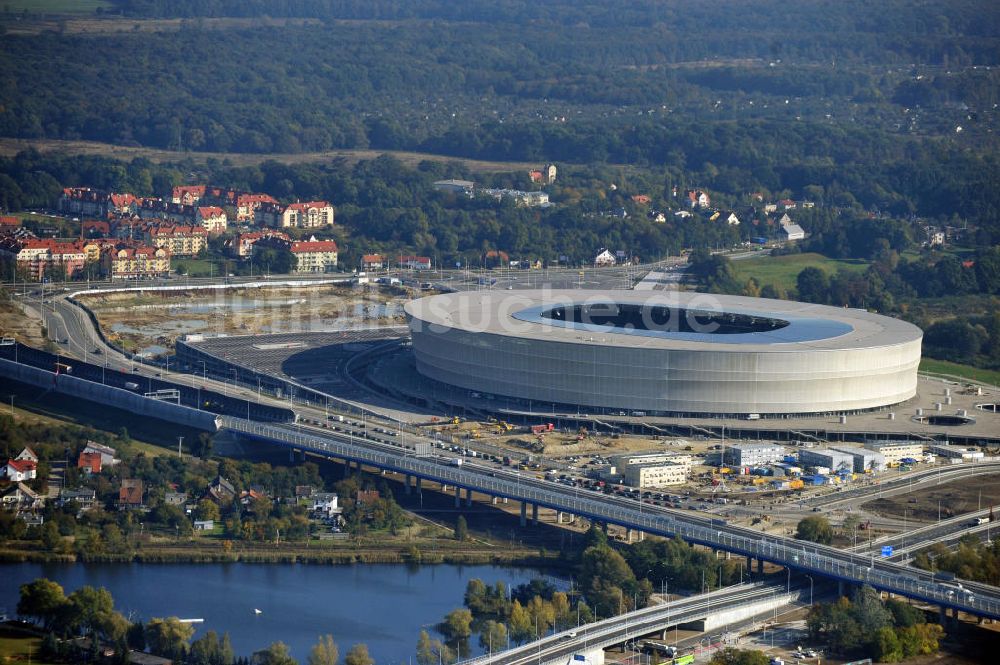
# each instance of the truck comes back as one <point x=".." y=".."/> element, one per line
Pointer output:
<point x="131" y="385"/>
<point x="539" y="429"/>
<point x="753" y="416"/>
<point x="456" y="461"/>
<point x="980" y="520"/>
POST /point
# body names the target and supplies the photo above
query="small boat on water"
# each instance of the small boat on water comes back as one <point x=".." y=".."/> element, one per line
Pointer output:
<point x="256" y="611"/>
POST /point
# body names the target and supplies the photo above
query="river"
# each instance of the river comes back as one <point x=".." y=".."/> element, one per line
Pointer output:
<point x="384" y="606"/>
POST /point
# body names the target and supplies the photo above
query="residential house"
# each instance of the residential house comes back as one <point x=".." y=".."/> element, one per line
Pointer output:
<point x="9" y="222"/>
<point x="83" y="201"/>
<point x="179" y="240"/>
<point x="131" y="494"/>
<point x="683" y="214"/>
<point x="89" y="463"/>
<point x="247" y="497"/>
<point x="935" y="238"/>
<point x="16" y="470"/>
<point x="141" y="262"/>
<point x="122" y="204"/>
<point x="187" y="194"/>
<point x="38" y="258"/>
<point x="151" y="208"/>
<point x="787" y="204"/>
<point x="657" y="216"/>
<point x="641" y="199"/>
<point x="314" y="255"/>
<point x="204" y="525"/>
<point x="241" y="245"/>
<point x="19" y="497"/>
<point x="545" y="176"/>
<point x="175" y="498"/>
<point x="415" y="262"/>
<point x="550" y="173"/>
<point x="455" y="186"/>
<point x="770" y="207"/>
<point x="27" y="454"/>
<point x="807" y="204"/>
<point x="536" y="176"/>
<point x="785" y="219"/>
<point x="732" y="219"/>
<point x="372" y="262"/>
<point x="84" y="497"/>
<point x="325" y="503"/>
<point x="247" y="205"/>
<point x="107" y="453"/>
<point x="304" y="491"/>
<point x="95" y="228"/>
<point x="605" y="258"/>
<point x="308" y="215"/>
<point x="698" y="199"/>
<point x="211" y="218"/>
<point x="221" y="491"/>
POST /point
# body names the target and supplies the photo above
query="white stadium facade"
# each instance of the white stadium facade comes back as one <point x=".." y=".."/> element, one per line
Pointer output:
<point x="665" y="353"/>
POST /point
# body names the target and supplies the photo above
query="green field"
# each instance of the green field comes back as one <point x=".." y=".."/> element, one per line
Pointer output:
<point x="950" y="369"/>
<point x="782" y="270"/>
<point x="196" y="267"/>
<point x="55" y="6"/>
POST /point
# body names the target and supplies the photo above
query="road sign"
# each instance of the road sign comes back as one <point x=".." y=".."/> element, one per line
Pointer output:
<point x="887" y="551"/>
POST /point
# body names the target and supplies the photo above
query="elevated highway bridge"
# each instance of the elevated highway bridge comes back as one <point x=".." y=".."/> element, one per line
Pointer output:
<point x="844" y="566"/>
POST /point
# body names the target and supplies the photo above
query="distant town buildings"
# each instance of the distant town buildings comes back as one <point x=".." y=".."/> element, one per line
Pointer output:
<point x="314" y="255"/>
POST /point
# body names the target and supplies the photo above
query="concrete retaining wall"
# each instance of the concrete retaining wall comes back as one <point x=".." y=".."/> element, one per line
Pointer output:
<point x="66" y="384"/>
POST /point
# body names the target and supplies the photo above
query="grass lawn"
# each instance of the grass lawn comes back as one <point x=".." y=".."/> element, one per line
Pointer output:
<point x="56" y="6"/>
<point x="18" y="647"/>
<point x="782" y="270"/>
<point x="196" y="267"/>
<point x="947" y="368"/>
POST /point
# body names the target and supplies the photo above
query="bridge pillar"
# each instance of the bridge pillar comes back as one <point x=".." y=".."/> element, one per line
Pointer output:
<point x="604" y="526"/>
<point x="418" y="485"/>
<point x="524" y="514"/>
<point x="628" y="535"/>
<point x="840" y="588"/>
<point x="291" y="454"/>
<point x="347" y="468"/>
<point x="942" y="616"/>
<point x="534" y="514"/>
<point x="458" y="497"/>
<point x="559" y="517"/>
<point x="468" y="497"/>
<point x="406" y="483"/>
<point x="749" y="564"/>
<point x="494" y="500"/>
<point x="505" y="500"/>
<point x="760" y="566"/>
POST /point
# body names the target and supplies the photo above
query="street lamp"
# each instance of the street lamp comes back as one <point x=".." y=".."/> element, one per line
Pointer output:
<point x="810" y="590"/>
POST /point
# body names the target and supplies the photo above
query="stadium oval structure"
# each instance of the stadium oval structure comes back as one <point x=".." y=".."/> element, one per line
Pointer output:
<point x="669" y="353"/>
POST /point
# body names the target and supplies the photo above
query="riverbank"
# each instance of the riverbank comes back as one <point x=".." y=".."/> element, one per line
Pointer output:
<point x="315" y="554"/>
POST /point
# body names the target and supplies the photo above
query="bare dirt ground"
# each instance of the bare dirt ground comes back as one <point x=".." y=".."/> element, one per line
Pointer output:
<point x="957" y="497"/>
<point x="155" y="319"/>
<point x="10" y="147"/>
<point x="15" y="323"/>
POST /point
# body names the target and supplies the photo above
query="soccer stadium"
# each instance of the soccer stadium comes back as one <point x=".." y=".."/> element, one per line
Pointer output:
<point x="665" y="353"/>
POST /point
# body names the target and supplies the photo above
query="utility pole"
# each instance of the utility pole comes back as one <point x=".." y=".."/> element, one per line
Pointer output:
<point x="180" y="440"/>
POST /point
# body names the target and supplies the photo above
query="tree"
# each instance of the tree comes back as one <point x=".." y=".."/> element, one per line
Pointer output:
<point x="275" y="654"/>
<point x="815" y="529"/>
<point x="210" y="650"/>
<point x="168" y="637"/>
<point x="90" y="608"/>
<point x="731" y="656"/>
<point x="324" y="652"/>
<point x="521" y="627"/>
<point x="358" y="655"/>
<point x="207" y="510"/>
<point x="813" y="285"/>
<point x="433" y="652"/>
<point x="606" y="579"/>
<point x="461" y="529"/>
<point x="887" y="647"/>
<point x="41" y="600"/>
<point x="457" y="625"/>
<point x="493" y="636"/>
